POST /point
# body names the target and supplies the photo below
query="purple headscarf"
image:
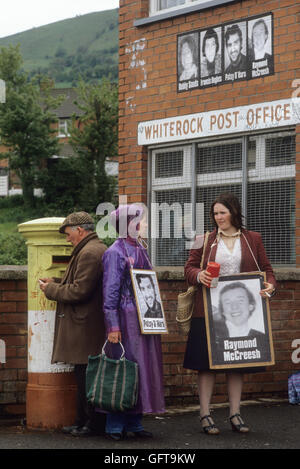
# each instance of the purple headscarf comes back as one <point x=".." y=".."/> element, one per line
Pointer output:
<point x="126" y="220"/>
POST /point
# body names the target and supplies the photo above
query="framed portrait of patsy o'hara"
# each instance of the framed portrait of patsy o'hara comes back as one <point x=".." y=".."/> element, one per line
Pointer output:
<point x="238" y="322"/>
<point x="148" y="301"/>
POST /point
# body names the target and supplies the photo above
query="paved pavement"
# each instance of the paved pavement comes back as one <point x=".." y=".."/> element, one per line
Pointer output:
<point x="274" y="425"/>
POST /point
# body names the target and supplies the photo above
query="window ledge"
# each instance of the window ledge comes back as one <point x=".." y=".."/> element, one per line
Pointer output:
<point x="180" y="12"/>
<point x="177" y="273"/>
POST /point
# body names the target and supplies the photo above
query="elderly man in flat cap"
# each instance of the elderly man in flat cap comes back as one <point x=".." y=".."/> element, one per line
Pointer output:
<point x="79" y="323"/>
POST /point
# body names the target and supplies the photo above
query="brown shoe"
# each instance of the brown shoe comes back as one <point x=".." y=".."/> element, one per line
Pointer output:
<point x="239" y="427"/>
<point x="211" y="428"/>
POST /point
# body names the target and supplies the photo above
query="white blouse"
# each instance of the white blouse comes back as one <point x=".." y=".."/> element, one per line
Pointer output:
<point x="230" y="261"/>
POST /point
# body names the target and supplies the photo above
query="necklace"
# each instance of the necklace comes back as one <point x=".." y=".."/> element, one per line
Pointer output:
<point x="229" y="239"/>
<point x="236" y="234"/>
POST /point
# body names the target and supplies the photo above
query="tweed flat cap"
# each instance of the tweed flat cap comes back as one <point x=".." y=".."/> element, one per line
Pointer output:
<point x="76" y="218"/>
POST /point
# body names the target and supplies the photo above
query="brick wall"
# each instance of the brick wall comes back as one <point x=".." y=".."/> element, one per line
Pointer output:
<point x="13" y="331"/>
<point x="180" y="384"/>
<point x="148" y="77"/>
<point x="148" y="91"/>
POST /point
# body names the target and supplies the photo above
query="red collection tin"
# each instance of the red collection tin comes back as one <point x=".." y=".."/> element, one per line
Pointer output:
<point x="214" y="269"/>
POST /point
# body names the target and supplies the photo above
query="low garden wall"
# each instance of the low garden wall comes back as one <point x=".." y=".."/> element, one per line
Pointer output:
<point x="180" y="384"/>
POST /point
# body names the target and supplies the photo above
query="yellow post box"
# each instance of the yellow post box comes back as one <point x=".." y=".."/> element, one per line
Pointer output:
<point x="51" y="388"/>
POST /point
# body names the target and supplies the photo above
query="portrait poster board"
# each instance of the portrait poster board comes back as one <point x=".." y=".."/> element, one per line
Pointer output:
<point x="260" y="46"/>
<point x="226" y="53"/>
<point x="148" y="301"/>
<point x="238" y="324"/>
<point x="188" y="61"/>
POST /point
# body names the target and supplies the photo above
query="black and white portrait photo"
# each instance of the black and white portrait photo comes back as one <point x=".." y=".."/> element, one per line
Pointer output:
<point x="149" y="304"/>
<point x="188" y="61"/>
<point x="235" y="52"/>
<point x="239" y="323"/>
<point x="226" y="53"/>
<point x="260" y="46"/>
<point x="211" y="56"/>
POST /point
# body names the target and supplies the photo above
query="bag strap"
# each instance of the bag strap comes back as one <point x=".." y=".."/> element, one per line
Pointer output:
<point x="203" y="252"/>
<point x="123" y="350"/>
<point x="258" y="268"/>
<point x="204" y="247"/>
<point x="251" y="252"/>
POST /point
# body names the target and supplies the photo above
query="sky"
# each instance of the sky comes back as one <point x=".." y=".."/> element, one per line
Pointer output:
<point x="17" y="16"/>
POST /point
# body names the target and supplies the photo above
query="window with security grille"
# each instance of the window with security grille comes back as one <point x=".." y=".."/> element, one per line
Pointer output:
<point x="171" y="205"/>
<point x="171" y="244"/>
<point x="259" y="169"/>
<point x="169" y="164"/>
<point x="271" y="196"/>
<point x="280" y="151"/>
<point x="222" y="157"/>
<point x="159" y="6"/>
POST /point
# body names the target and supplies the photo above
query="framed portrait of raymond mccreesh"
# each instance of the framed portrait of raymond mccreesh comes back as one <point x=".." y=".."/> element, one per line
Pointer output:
<point x="260" y="46"/>
<point x="148" y="301"/>
<point x="238" y="322"/>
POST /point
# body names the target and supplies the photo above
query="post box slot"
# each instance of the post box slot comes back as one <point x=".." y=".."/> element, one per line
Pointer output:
<point x="61" y="259"/>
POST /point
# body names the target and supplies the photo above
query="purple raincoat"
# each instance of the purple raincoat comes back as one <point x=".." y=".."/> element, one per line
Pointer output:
<point x="120" y="314"/>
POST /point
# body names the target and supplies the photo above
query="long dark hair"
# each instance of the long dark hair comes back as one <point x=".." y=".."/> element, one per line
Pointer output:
<point x="210" y="33"/>
<point x="232" y="203"/>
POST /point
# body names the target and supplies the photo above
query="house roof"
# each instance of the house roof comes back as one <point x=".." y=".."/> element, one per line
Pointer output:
<point x="67" y="107"/>
<point x="66" y="150"/>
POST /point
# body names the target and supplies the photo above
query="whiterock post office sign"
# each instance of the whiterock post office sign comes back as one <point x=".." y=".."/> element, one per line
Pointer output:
<point x="249" y="118"/>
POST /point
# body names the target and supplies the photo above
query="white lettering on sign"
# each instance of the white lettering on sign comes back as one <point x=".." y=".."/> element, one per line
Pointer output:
<point x="240" y="119"/>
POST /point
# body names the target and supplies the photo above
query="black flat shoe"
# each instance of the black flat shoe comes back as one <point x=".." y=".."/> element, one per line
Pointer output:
<point x="240" y="427"/>
<point x="82" y="431"/>
<point x="211" y="428"/>
<point x="143" y="434"/>
<point x="69" y="429"/>
<point x="114" y="436"/>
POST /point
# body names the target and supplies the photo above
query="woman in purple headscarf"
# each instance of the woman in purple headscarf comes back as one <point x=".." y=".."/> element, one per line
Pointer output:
<point x="122" y="323"/>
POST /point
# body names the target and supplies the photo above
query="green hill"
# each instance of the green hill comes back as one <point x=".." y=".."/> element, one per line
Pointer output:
<point x="84" y="46"/>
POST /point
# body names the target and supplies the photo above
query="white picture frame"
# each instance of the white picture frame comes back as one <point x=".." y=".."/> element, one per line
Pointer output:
<point x="148" y="301"/>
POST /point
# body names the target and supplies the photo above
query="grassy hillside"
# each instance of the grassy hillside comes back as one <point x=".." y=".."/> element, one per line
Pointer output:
<point x="86" y="45"/>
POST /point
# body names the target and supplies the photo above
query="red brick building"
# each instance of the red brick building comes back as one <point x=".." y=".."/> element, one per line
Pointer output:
<point x="181" y="143"/>
<point x="191" y="127"/>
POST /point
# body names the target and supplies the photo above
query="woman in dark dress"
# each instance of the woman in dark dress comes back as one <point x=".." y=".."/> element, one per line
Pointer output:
<point x="236" y="250"/>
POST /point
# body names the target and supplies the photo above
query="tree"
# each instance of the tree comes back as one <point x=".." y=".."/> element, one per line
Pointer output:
<point x="94" y="138"/>
<point x="63" y="183"/>
<point x="26" y="122"/>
